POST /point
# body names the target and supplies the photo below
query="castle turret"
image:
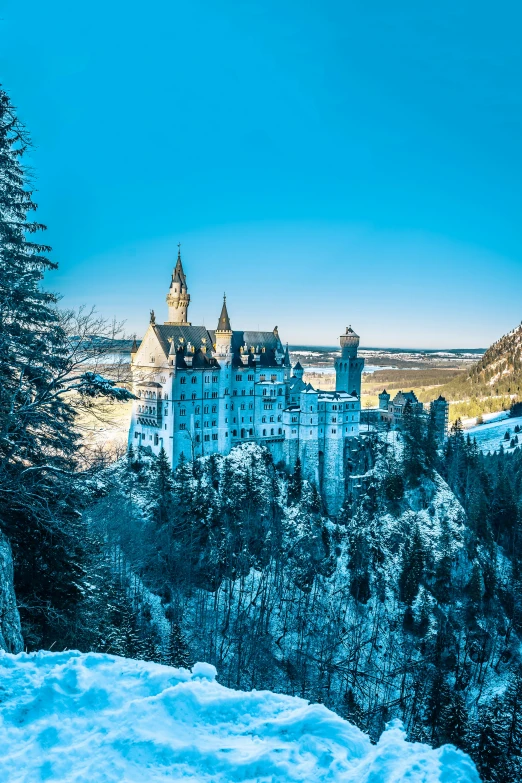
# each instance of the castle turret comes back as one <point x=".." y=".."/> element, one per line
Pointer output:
<point x="348" y="366"/>
<point x="298" y="371"/>
<point x="223" y="331"/>
<point x="178" y="298"/>
<point x="384" y="400"/>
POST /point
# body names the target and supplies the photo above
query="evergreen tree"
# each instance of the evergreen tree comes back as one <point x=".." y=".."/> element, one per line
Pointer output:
<point x="177" y="653"/>
<point x="412" y="567"/>
<point x="454" y="720"/>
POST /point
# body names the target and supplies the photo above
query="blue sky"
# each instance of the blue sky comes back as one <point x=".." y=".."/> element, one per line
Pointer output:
<point x="325" y="163"/>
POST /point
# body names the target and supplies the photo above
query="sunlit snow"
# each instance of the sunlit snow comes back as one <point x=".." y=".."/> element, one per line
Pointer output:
<point x="94" y="718"/>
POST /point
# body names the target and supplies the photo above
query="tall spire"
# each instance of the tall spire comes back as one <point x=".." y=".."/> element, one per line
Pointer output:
<point x="178" y="276"/>
<point x="178" y="297"/>
<point x="287" y="357"/>
<point x="224" y="320"/>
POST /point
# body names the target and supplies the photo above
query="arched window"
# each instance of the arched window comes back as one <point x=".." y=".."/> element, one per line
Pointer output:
<point x="280" y="391"/>
<point x="264" y="432"/>
<point x="198" y="409"/>
<point x="272" y="431"/>
<point x="280" y="431"/>
<point x="263" y="419"/>
<point x="234" y="433"/>
<point x="194" y="379"/>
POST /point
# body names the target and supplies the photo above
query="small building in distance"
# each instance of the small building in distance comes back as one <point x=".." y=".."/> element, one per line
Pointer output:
<point x="391" y="412"/>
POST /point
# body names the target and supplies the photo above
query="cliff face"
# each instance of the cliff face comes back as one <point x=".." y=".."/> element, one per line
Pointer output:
<point x="10" y="633"/>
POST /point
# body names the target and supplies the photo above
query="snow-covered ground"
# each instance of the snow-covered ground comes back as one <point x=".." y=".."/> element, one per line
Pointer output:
<point x="93" y="718"/>
<point x="490" y="435"/>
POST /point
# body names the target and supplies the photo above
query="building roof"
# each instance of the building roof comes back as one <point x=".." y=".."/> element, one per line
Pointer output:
<point x="298" y="366"/>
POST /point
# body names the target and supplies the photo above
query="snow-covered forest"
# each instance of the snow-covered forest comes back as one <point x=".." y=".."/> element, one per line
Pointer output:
<point x="408" y="605"/>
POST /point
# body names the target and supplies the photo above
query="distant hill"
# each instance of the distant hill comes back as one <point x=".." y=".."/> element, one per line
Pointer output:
<point x="494" y="382"/>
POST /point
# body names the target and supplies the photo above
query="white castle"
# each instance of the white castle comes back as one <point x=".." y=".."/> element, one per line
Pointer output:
<point x="202" y="392"/>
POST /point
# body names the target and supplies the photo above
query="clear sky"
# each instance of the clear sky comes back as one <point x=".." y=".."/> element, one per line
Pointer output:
<point x="325" y="163"/>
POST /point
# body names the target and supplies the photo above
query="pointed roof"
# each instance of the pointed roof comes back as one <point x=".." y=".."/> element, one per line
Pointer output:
<point x="298" y="366"/>
<point x="178" y="276"/>
<point x="224" y="320"/>
<point x="287" y="357"/>
<point x="134" y="345"/>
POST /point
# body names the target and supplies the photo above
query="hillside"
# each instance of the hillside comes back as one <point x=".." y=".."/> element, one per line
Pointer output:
<point x="104" y="719"/>
<point x="491" y="384"/>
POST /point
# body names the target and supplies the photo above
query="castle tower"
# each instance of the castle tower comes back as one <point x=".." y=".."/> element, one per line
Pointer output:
<point x="286" y="364"/>
<point x="384" y="400"/>
<point x="439" y="409"/>
<point x="298" y="371"/>
<point x="178" y="298"/>
<point x="348" y="366"/>
<point x="223" y="331"/>
<point x="223" y="353"/>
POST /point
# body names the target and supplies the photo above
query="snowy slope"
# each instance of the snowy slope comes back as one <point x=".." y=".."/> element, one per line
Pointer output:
<point x="93" y="718"/>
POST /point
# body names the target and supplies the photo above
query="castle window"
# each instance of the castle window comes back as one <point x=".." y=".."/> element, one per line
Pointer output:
<point x="294" y="432"/>
<point x="262" y="377"/>
<point x="214" y="379"/>
<point x="198" y="438"/>
<point x="234" y="433"/>
<point x="194" y="395"/>
<point x="206" y="395"/>
<point x="334" y="418"/>
<point x="214" y="436"/>
<point x="334" y="431"/>
<point x="243" y="392"/>
<point x="250" y="377"/>
<point x="263" y="420"/>
<point x="136" y="434"/>
<point x="280" y="431"/>
<point x="183" y="379"/>
<point x="310" y="432"/>
<point x="214" y="423"/>
<point x="238" y="377"/>
<point x="311" y="422"/>
<point x="194" y="379"/>
<point x="231" y="406"/>
<point x="207" y="437"/>
<point x="198" y="409"/>
<point x="294" y="418"/>
<point x="198" y="424"/>
<point x="280" y="391"/>
<point x="214" y="409"/>
<point x="183" y="426"/>
<point x="279" y="406"/>
<point x="273" y="377"/>
<point x="207" y="378"/>
<point x="264" y="432"/>
<point x="234" y="393"/>
<point x="250" y="432"/>
<point x="182" y="396"/>
<point x="165" y="426"/>
<point x="311" y="407"/>
<point x="182" y="412"/>
<point x="272" y="431"/>
<point x="206" y="424"/>
<point x="279" y="418"/>
<point x="214" y="395"/>
<point x="242" y="406"/>
<point x="156" y="440"/>
<point x="251" y="391"/>
<point x="166" y="411"/>
<point x="205" y="409"/>
<point x="264" y="392"/>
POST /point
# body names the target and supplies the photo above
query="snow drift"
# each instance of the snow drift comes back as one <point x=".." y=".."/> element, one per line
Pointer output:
<point x="97" y="718"/>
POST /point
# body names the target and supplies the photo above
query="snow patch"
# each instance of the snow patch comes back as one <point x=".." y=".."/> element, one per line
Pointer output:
<point x="94" y="718"/>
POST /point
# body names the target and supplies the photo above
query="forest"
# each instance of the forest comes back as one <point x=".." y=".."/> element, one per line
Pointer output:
<point x="408" y="604"/>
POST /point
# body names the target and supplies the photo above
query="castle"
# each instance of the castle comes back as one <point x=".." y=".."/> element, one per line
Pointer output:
<point x="202" y="391"/>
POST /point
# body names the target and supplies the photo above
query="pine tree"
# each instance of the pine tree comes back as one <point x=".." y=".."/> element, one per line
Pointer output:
<point x="295" y="483"/>
<point x="412" y="567"/>
<point x="454" y="720"/>
<point x="177" y="653"/>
